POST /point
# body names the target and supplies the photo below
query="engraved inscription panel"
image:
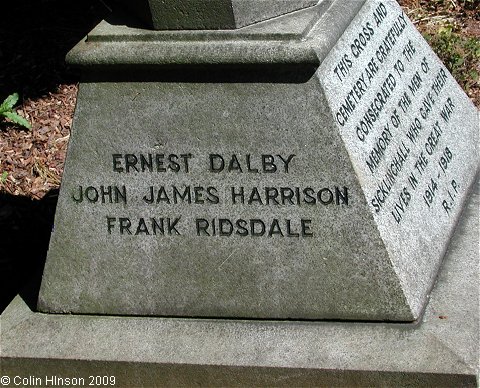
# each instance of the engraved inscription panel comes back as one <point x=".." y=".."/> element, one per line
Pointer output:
<point x="411" y="132"/>
<point x="181" y="195"/>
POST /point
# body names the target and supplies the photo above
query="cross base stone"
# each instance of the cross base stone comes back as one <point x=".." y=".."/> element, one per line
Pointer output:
<point x="440" y="350"/>
<point x="262" y="203"/>
<point x="298" y="168"/>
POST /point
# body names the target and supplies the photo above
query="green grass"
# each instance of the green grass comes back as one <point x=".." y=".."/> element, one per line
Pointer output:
<point x="460" y="54"/>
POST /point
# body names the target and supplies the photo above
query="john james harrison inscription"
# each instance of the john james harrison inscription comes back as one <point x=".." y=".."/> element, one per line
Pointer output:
<point x="330" y="198"/>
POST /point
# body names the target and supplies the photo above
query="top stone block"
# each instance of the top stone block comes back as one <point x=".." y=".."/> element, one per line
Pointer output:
<point x="210" y="14"/>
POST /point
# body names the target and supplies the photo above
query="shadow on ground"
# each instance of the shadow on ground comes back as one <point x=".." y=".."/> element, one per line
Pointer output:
<point x="25" y="227"/>
<point x="35" y="36"/>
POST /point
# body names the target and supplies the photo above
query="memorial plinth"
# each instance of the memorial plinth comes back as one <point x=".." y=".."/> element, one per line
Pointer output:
<point x="297" y="176"/>
<point x="298" y="168"/>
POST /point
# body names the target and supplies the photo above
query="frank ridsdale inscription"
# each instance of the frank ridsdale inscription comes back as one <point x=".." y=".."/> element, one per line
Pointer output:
<point x="332" y="198"/>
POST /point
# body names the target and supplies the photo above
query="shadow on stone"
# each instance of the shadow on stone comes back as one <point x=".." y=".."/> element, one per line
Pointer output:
<point x="25" y="227"/>
<point x="121" y="17"/>
<point x="234" y="73"/>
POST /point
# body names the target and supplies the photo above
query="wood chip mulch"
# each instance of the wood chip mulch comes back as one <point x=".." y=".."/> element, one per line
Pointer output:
<point x="33" y="159"/>
<point x="33" y="45"/>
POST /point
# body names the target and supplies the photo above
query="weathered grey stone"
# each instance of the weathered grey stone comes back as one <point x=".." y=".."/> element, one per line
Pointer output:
<point x="411" y="134"/>
<point x="330" y="248"/>
<point x="211" y="14"/>
<point x="441" y="350"/>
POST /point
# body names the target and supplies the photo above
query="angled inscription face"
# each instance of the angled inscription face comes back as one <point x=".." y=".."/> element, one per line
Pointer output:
<point x="411" y="132"/>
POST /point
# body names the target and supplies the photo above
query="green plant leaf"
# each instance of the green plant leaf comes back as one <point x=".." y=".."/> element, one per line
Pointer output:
<point x="17" y="119"/>
<point x="459" y="61"/>
<point x="3" y="177"/>
<point x="9" y="102"/>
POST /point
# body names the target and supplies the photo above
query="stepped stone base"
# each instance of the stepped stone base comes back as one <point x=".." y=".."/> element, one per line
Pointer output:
<point x="441" y="350"/>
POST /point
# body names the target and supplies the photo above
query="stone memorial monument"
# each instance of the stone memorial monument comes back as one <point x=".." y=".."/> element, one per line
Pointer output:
<point x="267" y="189"/>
